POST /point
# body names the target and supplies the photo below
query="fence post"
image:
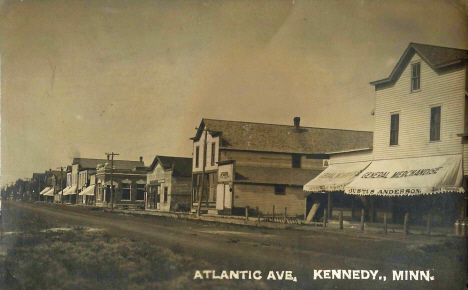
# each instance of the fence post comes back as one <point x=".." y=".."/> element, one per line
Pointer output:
<point x="385" y="223"/>
<point x="405" y="224"/>
<point x="429" y="224"/>
<point x="247" y="213"/>
<point x="362" y="220"/>
<point x="285" y="215"/>
<point x="324" y="218"/>
<point x="341" y="220"/>
<point x="273" y="216"/>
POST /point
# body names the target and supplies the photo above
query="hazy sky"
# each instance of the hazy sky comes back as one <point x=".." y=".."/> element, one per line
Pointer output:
<point x="81" y="78"/>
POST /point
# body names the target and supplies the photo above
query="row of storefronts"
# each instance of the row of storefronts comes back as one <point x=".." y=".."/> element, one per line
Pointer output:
<point x="412" y="162"/>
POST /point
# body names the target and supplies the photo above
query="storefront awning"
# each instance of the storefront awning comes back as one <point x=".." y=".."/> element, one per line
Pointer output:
<point x="64" y="191"/>
<point x="411" y="176"/>
<point x="88" y="191"/>
<point x="335" y="177"/>
<point x="44" y="191"/>
<point x="70" y="191"/>
<point x="49" y="192"/>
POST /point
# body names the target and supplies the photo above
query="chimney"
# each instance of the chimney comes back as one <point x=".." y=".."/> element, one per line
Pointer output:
<point x="297" y="124"/>
<point x="141" y="158"/>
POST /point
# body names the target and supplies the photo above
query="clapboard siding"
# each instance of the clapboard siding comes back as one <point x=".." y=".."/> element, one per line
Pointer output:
<point x="210" y="139"/>
<point x="264" y="198"/>
<point x="263" y="159"/>
<point x="445" y="89"/>
<point x="465" y="159"/>
<point x="351" y="157"/>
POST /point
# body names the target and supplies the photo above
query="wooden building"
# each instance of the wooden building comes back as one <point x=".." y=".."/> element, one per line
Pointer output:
<point x="168" y="184"/>
<point x="261" y="165"/>
<point x="420" y="141"/>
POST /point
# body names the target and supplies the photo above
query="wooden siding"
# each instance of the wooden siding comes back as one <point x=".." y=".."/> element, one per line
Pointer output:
<point x="465" y="159"/>
<point x="446" y="90"/>
<point x="274" y="160"/>
<point x="264" y="197"/>
<point x="351" y="157"/>
<point x="199" y="143"/>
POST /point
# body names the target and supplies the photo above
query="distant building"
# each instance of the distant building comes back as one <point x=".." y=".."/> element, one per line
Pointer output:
<point x="262" y="165"/>
<point x="168" y="184"/>
<point x="128" y="179"/>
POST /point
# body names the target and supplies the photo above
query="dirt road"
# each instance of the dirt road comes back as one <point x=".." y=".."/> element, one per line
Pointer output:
<point x="232" y="247"/>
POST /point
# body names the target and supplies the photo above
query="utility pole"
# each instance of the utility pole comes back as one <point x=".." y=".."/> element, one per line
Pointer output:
<point x="112" y="154"/>
<point x="61" y="182"/>
<point x="200" y="197"/>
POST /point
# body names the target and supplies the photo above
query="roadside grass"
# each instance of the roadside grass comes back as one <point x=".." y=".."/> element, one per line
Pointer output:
<point x="77" y="258"/>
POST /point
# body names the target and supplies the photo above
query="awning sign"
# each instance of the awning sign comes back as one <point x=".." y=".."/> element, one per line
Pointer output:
<point x="411" y="176"/>
<point x="335" y="177"/>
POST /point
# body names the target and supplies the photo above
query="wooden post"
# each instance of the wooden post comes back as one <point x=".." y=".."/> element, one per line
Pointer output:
<point x="372" y="213"/>
<point x="324" y="218"/>
<point x="341" y="220"/>
<point x="329" y="206"/>
<point x="405" y="224"/>
<point x="285" y="215"/>
<point x="362" y="220"/>
<point x="429" y="224"/>
<point x="273" y="216"/>
<point x="246" y="213"/>
<point x="385" y="223"/>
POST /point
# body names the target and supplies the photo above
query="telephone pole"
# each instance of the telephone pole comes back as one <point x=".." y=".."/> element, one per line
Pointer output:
<point x="203" y="174"/>
<point x="112" y="154"/>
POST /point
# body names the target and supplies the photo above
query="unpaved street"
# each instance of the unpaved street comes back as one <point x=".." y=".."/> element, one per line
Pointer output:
<point x="232" y="247"/>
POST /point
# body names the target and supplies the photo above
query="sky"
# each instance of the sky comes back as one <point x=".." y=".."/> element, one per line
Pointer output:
<point x="82" y="78"/>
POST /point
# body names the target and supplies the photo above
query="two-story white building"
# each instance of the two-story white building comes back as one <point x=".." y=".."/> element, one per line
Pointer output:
<point x="416" y="164"/>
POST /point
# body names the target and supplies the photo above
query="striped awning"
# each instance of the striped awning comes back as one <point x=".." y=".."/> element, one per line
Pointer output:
<point x="71" y="191"/>
<point x="45" y="190"/>
<point x="88" y="191"/>
<point x="50" y="192"/>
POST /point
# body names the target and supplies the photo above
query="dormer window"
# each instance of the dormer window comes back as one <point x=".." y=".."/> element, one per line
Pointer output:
<point x="415" y="76"/>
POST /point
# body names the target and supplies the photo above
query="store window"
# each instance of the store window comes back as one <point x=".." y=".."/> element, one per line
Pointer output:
<point x="140" y="192"/>
<point x="296" y="161"/>
<point x="126" y="188"/>
<point x="166" y="190"/>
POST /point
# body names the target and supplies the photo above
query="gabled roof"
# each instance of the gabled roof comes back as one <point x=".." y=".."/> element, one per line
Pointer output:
<point x="90" y="163"/>
<point x="269" y="175"/>
<point x="249" y="136"/>
<point x="436" y="57"/>
<point x="181" y="166"/>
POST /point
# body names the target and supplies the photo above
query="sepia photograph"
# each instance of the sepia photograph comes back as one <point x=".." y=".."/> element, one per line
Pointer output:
<point x="234" y="144"/>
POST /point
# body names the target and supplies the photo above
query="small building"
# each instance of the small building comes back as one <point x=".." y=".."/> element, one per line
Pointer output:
<point x="168" y="184"/>
<point x="420" y="146"/>
<point x="128" y="179"/>
<point x="260" y="166"/>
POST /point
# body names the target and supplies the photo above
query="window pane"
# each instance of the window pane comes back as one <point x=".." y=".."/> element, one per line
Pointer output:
<point x="394" y="128"/>
<point x="435" y="124"/>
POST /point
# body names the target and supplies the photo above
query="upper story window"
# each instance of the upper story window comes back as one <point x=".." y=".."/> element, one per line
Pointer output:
<point x="435" y="123"/>
<point x="415" y="76"/>
<point x="166" y="190"/>
<point x="394" y="128"/>
<point x="213" y="153"/>
<point x="197" y="156"/>
<point x="296" y="161"/>
<point x="280" y="190"/>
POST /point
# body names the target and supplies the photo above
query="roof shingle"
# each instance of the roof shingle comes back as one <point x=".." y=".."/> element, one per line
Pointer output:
<point x="284" y="139"/>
